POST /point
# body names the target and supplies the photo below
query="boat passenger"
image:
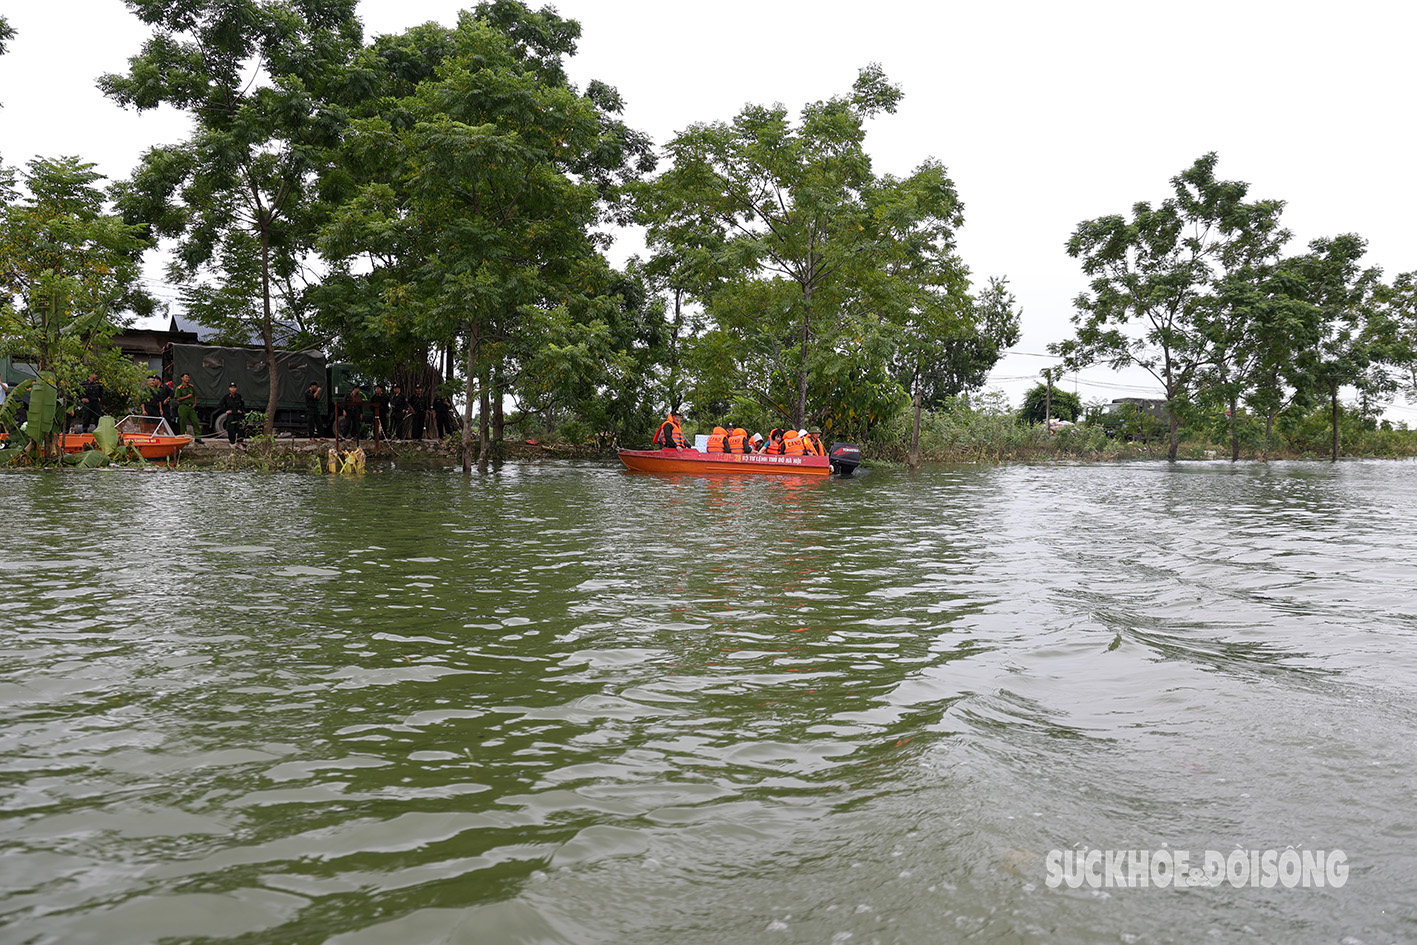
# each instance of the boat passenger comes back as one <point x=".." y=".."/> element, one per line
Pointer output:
<point x="738" y="441"/>
<point x="718" y="441"/>
<point x="669" y="436"/>
<point x="812" y="445"/>
<point x="774" y="444"/>
<point x="792" y="443"/>
<point x="755" y="443"/>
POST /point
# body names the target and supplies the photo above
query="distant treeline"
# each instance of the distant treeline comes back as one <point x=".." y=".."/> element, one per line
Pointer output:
<point x="435" y="203"/>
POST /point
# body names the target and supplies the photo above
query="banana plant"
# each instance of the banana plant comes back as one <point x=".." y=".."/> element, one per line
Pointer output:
<point x="42" y="422"/>
<point x="110" y="448"/>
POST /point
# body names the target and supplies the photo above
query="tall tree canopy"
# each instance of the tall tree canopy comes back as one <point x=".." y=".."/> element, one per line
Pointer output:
<point x="69" y="270"/>
<point x="1342" y="295"/>
<point x="804" y="259"/>
<point x="474" y="185"/>
<point x="255" y="77"/>
<point x="1155" y="280"/>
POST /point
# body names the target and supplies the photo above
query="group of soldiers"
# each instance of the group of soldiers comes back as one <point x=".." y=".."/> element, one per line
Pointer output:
<point x="393" y="415"/>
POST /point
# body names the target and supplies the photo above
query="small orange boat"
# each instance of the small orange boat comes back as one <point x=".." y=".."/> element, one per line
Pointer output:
<point x="692" y="461"/>
<point x="152" y="437"/>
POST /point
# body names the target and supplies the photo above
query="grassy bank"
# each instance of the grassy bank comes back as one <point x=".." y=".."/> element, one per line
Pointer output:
<point x="964" y="435"/>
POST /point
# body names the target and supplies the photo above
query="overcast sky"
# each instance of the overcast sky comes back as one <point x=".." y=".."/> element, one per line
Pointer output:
<point x="1046" y="113"/>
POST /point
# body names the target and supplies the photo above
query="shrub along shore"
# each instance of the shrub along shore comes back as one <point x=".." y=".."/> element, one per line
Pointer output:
<point x="956" y="437"/>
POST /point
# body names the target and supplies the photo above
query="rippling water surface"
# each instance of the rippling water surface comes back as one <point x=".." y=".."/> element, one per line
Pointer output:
<point x="569" y="704"/>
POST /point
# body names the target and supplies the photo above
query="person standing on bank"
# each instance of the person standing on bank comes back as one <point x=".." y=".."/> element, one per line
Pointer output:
<point x="233" y="408"/>
<point x="312" y="410"/>
<point x="398" y="409"/>
<point x="443" y="414"/>
<point x="380" y="403"/>
<point x="156" y="398"/>
<point x="186" y="397"/>
<point x="354" y="413"/>
<point x="418" y="406"/>
<point x="92" y="400"/>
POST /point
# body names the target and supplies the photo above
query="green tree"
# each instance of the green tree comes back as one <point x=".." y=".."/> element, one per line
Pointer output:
<point x="1044" y="400"/>
<point x="782" y="208"/>
<point x="255" y="77"/>
<point x="1155" y="278"/>
<point x="1399" y="302"/>
<point x="474" y="192"/>
<point x="1349" y="347"/>
<point x="69" y="273"/>
<point x="68" y="270"/>
<point x="948" y="346"/>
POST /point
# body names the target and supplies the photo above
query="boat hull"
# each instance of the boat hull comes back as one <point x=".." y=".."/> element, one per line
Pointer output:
<point x="151" y="447"/>
<point x="732" y="464"/>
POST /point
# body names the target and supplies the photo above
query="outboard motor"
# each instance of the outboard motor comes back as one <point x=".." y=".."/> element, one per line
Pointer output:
<point x="844" y="458"/>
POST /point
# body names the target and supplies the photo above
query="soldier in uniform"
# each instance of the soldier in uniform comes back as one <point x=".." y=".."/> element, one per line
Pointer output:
<point x="442" y="414"/>
<point x="398" y="410"/>
<point x="380" y="403"/>
<point x="233" y="407"/>
<point x="312" y="410"/>
<point x="186" y="397"/>
<point x="418" y="406"/>
<point x="92" y="400"/>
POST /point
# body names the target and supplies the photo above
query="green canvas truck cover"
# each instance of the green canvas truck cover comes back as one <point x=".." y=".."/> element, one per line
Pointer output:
<point x="212" y="368"/>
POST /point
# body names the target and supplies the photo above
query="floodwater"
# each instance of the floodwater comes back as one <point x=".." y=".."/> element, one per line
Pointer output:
<point x="564" y="703"/>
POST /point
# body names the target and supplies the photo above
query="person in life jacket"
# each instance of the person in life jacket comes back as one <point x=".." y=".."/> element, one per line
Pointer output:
<point x="669" y="436"/>
<point x="755" y="443"/>
<point x="738" y="441"/>
<point x="792" y="443"/>
<point x="812" y="445"/>
<point x="774" y="444"/>
<point x="718" y="441"/>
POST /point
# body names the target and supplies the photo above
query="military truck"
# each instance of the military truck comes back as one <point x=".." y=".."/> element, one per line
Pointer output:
<point x="214" y="367"/>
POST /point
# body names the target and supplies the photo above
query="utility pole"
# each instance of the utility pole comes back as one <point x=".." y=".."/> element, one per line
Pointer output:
<point x="1048" y="399"/>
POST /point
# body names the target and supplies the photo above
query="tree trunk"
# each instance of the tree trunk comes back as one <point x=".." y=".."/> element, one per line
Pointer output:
<point x="916" y="398"/>
<point x="499" y="423"/>
<point x="1234" y="429"/>
<point x="1268" y="434"/>
<point x="484" y="441"/>
<point x="1333" y="395"/>
<point x="466" y="446"/>
<point x="799" y="409"/>
<point x="1174" y="445"/>
<point x="267" y="335"/>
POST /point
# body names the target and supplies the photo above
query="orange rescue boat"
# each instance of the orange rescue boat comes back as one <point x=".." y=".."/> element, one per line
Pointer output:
<point x="692" y="461"/>
<point x="152" y="437"/>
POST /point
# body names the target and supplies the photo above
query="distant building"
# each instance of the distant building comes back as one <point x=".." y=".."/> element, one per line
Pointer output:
<point x="144" y="345"/>
<point x="1157" y="408"/>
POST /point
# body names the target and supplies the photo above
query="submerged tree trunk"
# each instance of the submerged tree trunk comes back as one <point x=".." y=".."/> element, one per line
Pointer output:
<point x="466" y="444"/>
<point x="1234" y="429"/>
<point x="914" y="458"/>
<point x="267" y="335"/>
<point x="1333" y="395"/>
<point x="499" y="423"/>
<point x="1174" y="438"/>
<point x="484" y="441"/>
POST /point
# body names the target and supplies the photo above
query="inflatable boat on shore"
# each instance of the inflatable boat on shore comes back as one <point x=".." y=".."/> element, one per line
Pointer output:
<point x="151" y="436"/>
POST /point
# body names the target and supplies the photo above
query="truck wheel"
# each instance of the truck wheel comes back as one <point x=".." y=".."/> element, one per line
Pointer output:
<point x="219" y="425"/>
